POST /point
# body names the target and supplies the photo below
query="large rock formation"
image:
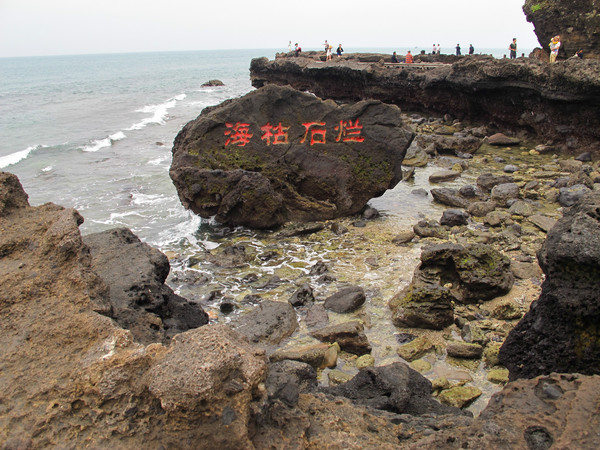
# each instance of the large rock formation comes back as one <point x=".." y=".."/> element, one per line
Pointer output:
<point x="71" y="377"/>
<point x="560" y="333"/>
<point x="558" y="102"/>
<point x="577" y="22"/>
<point x="278" y="155"/>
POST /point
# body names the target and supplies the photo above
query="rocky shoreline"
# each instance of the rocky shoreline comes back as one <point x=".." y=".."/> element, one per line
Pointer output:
<point x="464" y="315"/>
<point x="289" y="388"/>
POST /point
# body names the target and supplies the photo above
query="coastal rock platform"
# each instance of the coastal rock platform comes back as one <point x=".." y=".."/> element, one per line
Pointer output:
<point x="559" y="103"/>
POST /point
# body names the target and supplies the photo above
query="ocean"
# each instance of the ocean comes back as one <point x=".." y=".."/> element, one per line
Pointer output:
<point x="94" y="132"/>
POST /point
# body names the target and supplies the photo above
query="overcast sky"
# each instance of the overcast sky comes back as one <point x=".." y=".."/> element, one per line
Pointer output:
<point x="57" y="27"/>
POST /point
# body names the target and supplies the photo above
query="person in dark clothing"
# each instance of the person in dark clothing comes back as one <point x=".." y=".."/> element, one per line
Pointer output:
<point x="471" y="49"/>
<point x="395" y="58"/>
<point x="457" y="49"/>
<point x="513" y="49"/>
<point x="339" y="50"/>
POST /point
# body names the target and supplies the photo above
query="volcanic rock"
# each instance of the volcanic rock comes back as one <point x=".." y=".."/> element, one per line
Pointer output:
<point x="349" y="335"/>
<point x="395" y="387"/>
<point x="577" y="23"/>
<point x="268" y="323"/>
<point x="71" y="377"/>
<point x="135" y="274"/>
<point x="278" y="155"/>
<point x="560" y="332"/>
<point x="472" y="273"/>
<point x="346" y="300"/>
<point x="555" y="411"/>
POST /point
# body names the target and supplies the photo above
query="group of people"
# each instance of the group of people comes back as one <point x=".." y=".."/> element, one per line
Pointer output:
<point x="554" y="45"/>
<point x="329" y="48"/>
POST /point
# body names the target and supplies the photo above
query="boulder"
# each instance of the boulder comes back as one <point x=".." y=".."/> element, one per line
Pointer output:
<point x="431" y="228"/>
<point x="135" y="274"/>
<point x="500" y="139"/>
<point x="444" y="175"/>
<point x="465" y="350"/>
<point x="503" y="193"/>
<point x="449" y="197"/>
<point x="288" y="379"/>
<point x="472" y="273"/>
<point x="460" y="396"/>
<point x="268" y="323"/>
<point x="211" y="83"/>
<point x="454" y="217"/>
<point x="12" y="195"/>
<point x="346" y="300"/>
<point x="395" y="387"/>
<point x="349" y="335"/>
<point x="423" y="306"/>
<point x="487" y="181"/>
<point x="278" y="155"/>
<point x="570" y="195"/>
<point x="560" y="332"/>
<point x="302" y="296"/>
<point x="314" y="355"/>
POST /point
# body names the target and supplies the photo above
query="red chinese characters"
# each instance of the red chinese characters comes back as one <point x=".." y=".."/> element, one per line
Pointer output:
<point x="349" y="132"/>
<point x="317" y="135"/>
<point x="239" y="134"/>
<point x="279" y="134"/>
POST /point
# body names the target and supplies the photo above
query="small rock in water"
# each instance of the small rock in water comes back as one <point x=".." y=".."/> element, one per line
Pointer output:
<point x="370" y="213"/>
<point x="586" y="157"/>
<point x="420" y="191"/>
<point x="510" y="168"/>
<point x="211" y="83"/>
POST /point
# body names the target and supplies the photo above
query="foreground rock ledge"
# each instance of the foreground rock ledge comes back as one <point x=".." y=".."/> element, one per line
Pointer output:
<point x="278" y="155"/>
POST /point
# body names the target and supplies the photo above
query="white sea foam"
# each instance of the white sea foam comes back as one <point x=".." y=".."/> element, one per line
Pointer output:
<point x="148" y="199"/>
<point x="14" y="158"/>
<point x="160" y="160"/>
<point x="47" y="169"/>
<point x="159" y="113"/>
<point x="102" y="143"/>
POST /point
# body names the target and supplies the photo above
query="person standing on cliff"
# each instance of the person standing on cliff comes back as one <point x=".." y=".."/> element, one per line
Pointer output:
<point x="471" y="49"/>
<point x="554" y="48"/>
<point x="339" y="51"/>
<point x="438" y="49"/>
<point x="513" y="49"/>
<point x="457" y="49"/>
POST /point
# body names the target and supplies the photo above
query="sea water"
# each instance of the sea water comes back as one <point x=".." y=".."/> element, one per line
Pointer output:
<point x="95" y="132"/>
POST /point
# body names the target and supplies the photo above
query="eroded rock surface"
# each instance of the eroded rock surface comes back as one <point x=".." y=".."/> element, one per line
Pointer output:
<point x="560" y="332"/>
<point x="135" y="274"/>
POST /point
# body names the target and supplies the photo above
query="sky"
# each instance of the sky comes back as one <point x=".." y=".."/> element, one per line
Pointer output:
<point x="66" y="27"/>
